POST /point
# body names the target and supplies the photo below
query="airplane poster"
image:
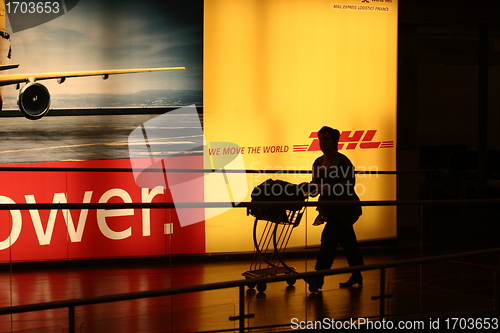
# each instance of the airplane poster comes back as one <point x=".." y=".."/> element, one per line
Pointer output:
<point x="110" y="35"/>
<point x="88" y="124"/>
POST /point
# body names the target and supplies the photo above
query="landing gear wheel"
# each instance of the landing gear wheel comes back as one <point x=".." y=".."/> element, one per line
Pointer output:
<point x="251" y="285"/>
<point x="291" y="281"/>
<point x="261" y="287"/>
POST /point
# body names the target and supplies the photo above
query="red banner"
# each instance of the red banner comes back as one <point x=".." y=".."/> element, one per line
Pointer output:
<point x="55" y="234"/>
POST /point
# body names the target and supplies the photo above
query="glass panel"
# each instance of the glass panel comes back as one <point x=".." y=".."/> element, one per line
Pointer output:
<point x="51" y="321"/>
<point x="212" y="318"/>
<point x="293" y="306"/>
<point x="448" y="289"/>
<point x="54" y="254"/>
<point x="53" y="329"/>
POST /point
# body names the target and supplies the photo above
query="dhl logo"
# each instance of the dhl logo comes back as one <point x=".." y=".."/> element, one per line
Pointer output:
<point x="362" y="139"/>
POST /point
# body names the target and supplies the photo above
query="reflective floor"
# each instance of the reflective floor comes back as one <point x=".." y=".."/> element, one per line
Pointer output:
<point x="458" y="288"/>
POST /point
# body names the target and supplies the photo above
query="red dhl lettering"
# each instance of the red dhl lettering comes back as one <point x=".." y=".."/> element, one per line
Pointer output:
<point x="348" y="140"/>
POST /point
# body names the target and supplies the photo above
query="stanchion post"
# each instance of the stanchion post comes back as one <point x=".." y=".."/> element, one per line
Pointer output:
<point x="497" y="288"/>
<point x="71" y="319"/>
<point x="242" y="308"/>
<point x="382" y="293"/>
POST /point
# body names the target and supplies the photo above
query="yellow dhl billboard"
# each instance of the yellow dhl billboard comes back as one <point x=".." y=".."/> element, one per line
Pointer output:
<point x="275" y="72"/>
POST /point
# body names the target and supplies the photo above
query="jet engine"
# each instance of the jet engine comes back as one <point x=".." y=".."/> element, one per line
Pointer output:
<point x="34" y="101"/>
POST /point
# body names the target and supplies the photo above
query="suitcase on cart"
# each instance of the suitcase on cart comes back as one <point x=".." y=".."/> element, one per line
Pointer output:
<point x="277" y="224"/>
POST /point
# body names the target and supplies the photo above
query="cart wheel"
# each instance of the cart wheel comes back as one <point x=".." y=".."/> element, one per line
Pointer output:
<point x="251" y="285"/>
<point x="261" y="287"/>
<point x="291" y="281"/>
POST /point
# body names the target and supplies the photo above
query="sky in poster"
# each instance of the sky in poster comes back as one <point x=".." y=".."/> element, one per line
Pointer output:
<point x="116" y="34"/>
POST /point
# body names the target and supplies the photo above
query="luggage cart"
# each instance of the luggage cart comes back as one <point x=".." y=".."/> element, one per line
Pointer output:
<point x="270" y="247"/>
<point x="277" y="225"/>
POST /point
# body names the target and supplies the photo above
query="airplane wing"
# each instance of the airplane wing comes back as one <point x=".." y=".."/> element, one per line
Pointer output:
<point x="25" y="78"/>
<point x="5" y="67"/>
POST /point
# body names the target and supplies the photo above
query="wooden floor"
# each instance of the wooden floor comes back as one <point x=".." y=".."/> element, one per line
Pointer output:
<point x="419" y="292"/>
